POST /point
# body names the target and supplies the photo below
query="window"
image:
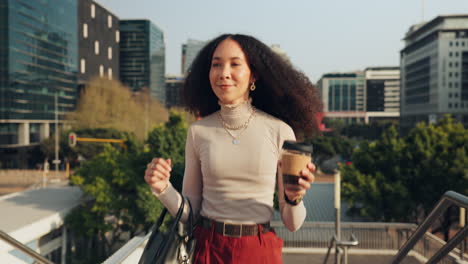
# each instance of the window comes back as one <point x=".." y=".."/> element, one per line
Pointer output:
<point x="109" y="21"/>
<point x="117" y="36"/>
<point x="109" y="53"/>
<point x="450" y="64"/>
<point x="456" y="105"/>
<point x="450" y="85"/>
<point x="456" y="95"/>
<point x="83" y="65"/>
<point x="450" y="105"/>
<point x="450" y="54"/>
<point x="450" y="95"/>
<point x="93" y="11"/>
<point x="101" y="70"/>
<point x="450" y="74"/>
<point x="109" y="73"/>
<point x="96" y="48"/>
<point x="85" y="30"/>
<point x="450" y="44"/>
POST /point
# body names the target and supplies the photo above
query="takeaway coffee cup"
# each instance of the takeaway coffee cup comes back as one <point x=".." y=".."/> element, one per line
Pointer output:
<point x="294" y="158"/>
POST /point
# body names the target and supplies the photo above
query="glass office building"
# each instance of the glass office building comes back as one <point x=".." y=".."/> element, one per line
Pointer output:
<point x="342" y="91"/>
<point x="142" y="57"/>
<point x="38" y="60"/>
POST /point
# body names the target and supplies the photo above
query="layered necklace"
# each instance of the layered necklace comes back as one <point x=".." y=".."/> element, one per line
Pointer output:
<point x="227" y="127"/>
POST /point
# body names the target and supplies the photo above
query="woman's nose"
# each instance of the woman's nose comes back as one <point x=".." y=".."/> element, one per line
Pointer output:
<point x="225" y="73"/>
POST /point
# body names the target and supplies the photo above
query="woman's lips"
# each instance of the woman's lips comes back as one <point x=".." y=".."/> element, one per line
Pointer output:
<point x="225" y="86"/>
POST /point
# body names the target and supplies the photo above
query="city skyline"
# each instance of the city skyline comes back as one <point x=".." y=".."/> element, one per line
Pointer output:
<point x="319" y="37"/>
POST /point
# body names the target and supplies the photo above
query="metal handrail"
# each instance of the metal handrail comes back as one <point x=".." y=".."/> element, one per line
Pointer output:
<point x="341" y="244"/>
<point x="120" y="255"/>
<point x="23" y="248"/>
<point x="449" y="198"/>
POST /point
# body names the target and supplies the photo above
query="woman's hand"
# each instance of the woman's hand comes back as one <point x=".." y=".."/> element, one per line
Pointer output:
<point x="157" y="174"/>
<point x="307" y="177"/>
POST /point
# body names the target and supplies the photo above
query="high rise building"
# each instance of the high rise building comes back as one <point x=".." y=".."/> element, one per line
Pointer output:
<point x="383" y="89"/>
<point x="38" y="61"/>
<point x="361" y="96"/>
<point x="174" y="86"/>
<point x="189" y="52"/>
<point x="434" y="71"/>
<point x="142" y="57"/>
<point x="343" y="95"/>
<point x="98" y="38"/>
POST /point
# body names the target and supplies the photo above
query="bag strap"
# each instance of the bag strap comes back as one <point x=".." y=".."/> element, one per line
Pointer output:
<point x="164" y="213"/>
<point x="175" y="224"/>
<point x="190" y="219"/>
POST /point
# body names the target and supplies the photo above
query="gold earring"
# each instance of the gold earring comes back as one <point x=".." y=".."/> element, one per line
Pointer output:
<point x="252" y="87"/>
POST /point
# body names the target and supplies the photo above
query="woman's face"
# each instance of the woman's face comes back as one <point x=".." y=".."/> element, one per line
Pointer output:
<point x="230" y="75"/>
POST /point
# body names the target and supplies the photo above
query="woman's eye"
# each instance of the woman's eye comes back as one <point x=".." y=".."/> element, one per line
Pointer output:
<point x="214" y="65"/>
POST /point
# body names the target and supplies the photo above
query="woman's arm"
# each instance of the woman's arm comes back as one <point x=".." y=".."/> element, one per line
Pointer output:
<point x="192" y="183"/>
<point x="293" y="216"/>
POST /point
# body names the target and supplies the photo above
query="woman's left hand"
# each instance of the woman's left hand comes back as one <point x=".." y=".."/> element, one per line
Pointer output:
<point x="306" y="179"/>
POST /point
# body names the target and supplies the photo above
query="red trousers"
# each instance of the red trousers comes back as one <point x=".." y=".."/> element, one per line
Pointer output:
<point x="214" y="248"/>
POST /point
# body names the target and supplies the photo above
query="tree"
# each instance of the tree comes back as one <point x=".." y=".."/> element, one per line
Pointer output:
<point x="371" y="131"/>
<point x="168" y="141"/>
<point x="401" y="179"/>
<point x="437" y="159"/>
<point x="119" y="202"/>
<point x="86" y="150"/>
<point x="108" y="104"/>
<point x="331" y="146"/>
<point x="372" y="184"/>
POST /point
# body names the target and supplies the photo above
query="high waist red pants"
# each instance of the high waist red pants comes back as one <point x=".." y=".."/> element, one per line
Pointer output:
<point x="214" y="248"/>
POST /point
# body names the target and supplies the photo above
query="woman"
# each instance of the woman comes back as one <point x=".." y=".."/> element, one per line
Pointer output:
<point x="250" y="100"/>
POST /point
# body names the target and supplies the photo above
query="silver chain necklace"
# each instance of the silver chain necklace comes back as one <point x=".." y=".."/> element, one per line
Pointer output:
<point x="244" y="126"/>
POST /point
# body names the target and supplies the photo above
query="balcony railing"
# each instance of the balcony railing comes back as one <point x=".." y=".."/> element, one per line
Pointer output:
<point x="399" y="238"/>
<point x="448" y="199"/>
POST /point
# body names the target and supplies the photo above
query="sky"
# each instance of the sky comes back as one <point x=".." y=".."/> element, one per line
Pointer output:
<point x="319" y="36"/>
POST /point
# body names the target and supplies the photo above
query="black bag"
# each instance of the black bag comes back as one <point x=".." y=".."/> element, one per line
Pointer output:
<point x="175" y="246"/>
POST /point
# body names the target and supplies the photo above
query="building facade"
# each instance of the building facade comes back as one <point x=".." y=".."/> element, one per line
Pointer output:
<point x="189" y="52"/>
<point x="174" y="87"/>
<point x="434" y="71"/>
<point x="98" y="38"/>
<point x="383" y="92"/>
<point x="361" y="96"/>
<point x="38" y="61"/>
<point x="343" y="96"/>
<point x="142" y="57"/>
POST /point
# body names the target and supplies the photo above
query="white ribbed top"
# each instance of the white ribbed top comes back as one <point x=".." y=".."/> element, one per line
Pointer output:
<point x="235" y="183"/>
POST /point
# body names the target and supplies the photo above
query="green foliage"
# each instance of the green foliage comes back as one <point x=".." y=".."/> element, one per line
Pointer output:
<point x="119" y="203"/>
<point x="328" y="146"/>
<point x="335" y="124"/>
<point x="168" y="141"/>
<point x="87" y="150"/>
<point x="371" y="131"/>
<point x="401" y="179"/>
<point x="437" y="154"/>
